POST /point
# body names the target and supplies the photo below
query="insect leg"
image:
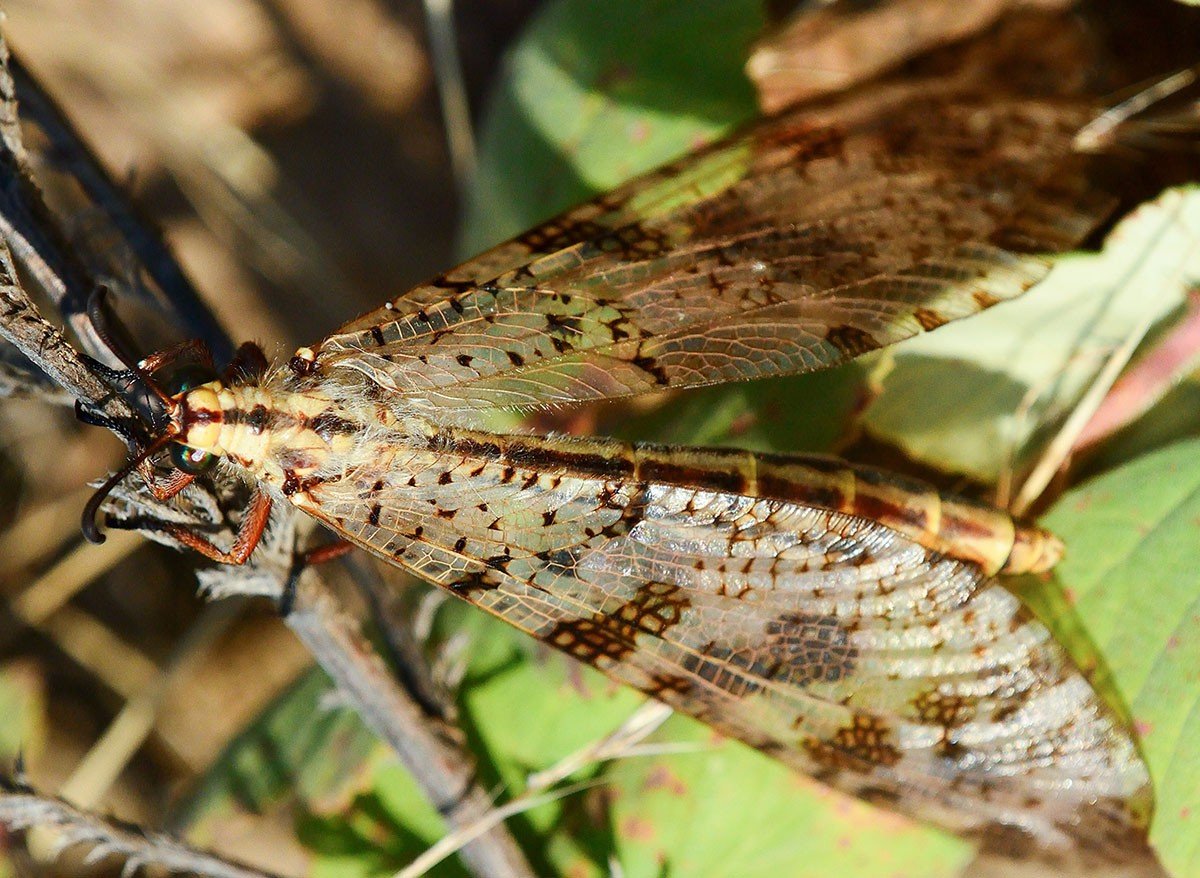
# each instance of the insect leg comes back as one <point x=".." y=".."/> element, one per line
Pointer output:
<point x="250" y="531"/>
<point x="85" y="414"/>
<point x="304" y="560"/>
<point x="177" y="481"/>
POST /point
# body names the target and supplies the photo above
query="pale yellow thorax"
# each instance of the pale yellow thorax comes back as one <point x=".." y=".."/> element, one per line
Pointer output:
<point x="274" y="435"/>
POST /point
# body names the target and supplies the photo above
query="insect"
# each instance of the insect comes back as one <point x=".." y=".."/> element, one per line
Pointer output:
<point x="845" y="621"/>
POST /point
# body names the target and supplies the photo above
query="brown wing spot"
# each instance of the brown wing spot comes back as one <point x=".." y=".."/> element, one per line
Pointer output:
<point x="985" y="300"/>
<point x="714" y="666"/>
<point x="498" y="562"/>
<point x="944" y="709"/>
<point x="557" y="234"/>
<point x="516" y="359"/>
<point x="929" y="319"/>
<point x="634" y="241"/>
<point x="650" y="366"/>
<point x="851" y="340"/>
<point x="633" y="512"/>
<point x="476" y="581"/>
<point x="464" y="359"/>
<point x="560" y="562"/>
<point x="589" y="640"/>
<point x="858" y="747"/>
<point x="445" y="478"/>
<point x="795" y="648"/>
<point x="664" y="685"/>
<point x="811" y="649"/>
<point x="373" y="517"/>
<point x="655" y="608"/>
<point x="566" y="324"/>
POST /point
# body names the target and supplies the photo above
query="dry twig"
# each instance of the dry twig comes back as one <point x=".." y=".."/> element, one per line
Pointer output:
<point x="22" y="808"/>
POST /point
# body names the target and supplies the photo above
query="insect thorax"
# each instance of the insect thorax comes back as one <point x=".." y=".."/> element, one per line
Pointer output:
<point x="276" y="435"/>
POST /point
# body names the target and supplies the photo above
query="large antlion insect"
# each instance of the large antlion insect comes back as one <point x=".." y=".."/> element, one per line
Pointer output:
<point x="841" y="619"/>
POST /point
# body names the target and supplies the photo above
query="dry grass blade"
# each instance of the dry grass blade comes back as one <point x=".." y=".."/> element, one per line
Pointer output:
<point x="622" y="742"/>
<point x="1148" y="380"/>
<point x="457" y="840"/>
<point x="82" y="565"/>
<point x="108" y="758"/>
<point x="447" y="68"/>
<point x="1147" y="269"/>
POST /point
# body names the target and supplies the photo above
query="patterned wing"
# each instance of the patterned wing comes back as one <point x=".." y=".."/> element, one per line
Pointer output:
<point x="831" y="642"/>
<point x="810" y="238"/>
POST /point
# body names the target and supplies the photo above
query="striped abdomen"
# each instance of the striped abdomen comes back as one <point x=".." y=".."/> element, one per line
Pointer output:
<point x="944" y="523"/>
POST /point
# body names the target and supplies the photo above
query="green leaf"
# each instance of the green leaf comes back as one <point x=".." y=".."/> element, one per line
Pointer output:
<point x="1131" y="571"/>
<point x="679" y="814"/>
<point x="23" y="708"/>
<point x="970" y="397"/>
<point x="727" y="810"/>
<point x="595" y="93"/>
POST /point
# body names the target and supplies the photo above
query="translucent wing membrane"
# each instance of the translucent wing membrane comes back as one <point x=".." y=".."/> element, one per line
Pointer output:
<point x="835" y="643"/>
<point x="809" y="239"/>
<point x="840" y="619"/>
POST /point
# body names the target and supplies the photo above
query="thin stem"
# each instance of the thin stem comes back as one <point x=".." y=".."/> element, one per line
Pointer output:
<point x="429" y="748"/>
<point x="452" y="91"/>
<point x="22" y="808"/>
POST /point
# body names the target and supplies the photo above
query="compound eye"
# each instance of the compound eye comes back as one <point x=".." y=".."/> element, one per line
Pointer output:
<point x="192" y="460"/>
<point x="186" y="378"/>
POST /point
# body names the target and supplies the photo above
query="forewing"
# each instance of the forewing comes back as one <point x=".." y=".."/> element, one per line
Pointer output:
<point x="810" y="238"/>
<point x="829" y="641"/>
